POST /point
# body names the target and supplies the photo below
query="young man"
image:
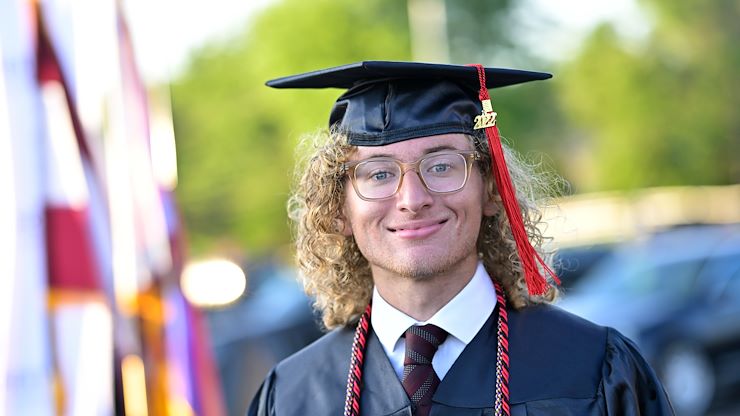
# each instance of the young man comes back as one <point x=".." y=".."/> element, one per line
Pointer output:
<point x="421" y="247"/>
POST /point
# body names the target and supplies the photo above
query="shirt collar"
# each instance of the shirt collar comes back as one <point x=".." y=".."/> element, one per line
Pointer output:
<point x="462" y="317"/>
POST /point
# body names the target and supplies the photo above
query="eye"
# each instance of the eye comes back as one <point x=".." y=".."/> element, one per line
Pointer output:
<point x="376" y="172"/>
<point x="443" y="165"/>
<point x="440" y="168"/>
<point x="380" y="175"/>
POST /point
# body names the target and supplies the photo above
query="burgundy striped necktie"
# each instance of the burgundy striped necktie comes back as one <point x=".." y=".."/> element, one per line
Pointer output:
<point x="419" y="379"/>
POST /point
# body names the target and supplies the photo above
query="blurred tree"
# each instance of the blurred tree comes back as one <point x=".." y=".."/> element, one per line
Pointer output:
<point x="479" y="31"/>
<point x="663" y="112"/>
<point x="236" y="138"/>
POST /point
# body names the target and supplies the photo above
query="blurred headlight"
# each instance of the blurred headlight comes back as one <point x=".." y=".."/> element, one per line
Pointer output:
<point x="213" y="283"/>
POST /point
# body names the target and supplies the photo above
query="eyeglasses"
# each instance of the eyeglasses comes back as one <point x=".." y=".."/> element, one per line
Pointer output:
<point x="380" y="178"/>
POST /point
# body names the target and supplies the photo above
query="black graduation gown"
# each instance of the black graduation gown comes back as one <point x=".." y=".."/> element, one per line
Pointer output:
<point x="560" y="365"/>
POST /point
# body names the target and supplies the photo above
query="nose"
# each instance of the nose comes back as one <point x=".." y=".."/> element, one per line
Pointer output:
<point x="412" y="196"/>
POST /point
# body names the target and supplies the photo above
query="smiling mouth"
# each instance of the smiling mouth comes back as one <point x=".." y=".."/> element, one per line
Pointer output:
<point x="418" y="230"/>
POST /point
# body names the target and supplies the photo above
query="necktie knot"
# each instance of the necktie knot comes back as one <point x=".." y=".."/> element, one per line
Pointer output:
<point x="419" y="379"/>
<point x="422" y="343"/>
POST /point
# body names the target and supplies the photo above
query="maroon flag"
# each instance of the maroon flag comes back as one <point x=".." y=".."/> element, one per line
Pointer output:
<point x="80" y="314"/>
<point x="96" y="254"/>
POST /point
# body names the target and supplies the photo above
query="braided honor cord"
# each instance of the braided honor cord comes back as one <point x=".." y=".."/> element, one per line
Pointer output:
<point x="501" y="406"/>
<point x="354" y="378"/>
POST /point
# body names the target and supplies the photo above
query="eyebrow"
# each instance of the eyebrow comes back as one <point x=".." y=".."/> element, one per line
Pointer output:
<point x="440" y="148"/>
<point x="426" y="151"/>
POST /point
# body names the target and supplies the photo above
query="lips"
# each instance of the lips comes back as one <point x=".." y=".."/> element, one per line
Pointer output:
<point x="418" y="229"/>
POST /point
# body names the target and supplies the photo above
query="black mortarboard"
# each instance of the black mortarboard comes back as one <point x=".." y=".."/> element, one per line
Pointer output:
<point x="387" y="102"/>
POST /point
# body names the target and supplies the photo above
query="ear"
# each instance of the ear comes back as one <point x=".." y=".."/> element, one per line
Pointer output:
<point x="492" y="205"/>
<point x="343" y="225"/>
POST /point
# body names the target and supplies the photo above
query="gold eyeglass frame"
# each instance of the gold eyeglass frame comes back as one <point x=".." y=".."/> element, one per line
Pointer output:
<point x="470" y="156"/>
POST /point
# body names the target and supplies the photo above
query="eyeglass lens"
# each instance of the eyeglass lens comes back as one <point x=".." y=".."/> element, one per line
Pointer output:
<point x="380" y="178"/>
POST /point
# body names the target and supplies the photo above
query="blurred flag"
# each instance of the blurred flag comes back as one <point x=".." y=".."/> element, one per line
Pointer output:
<point x="193" y="373"/>
<point x="184" y="379"/>
<point x="105" y="329"/>
<point x="7" y="222"/>
<point x="207" y="390"/>
<point x="151" y="249"/>
<point x="25" y="356"/>
<point x="80" y="313"/>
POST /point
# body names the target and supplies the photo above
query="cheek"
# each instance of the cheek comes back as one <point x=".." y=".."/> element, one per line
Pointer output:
<point x="357" y="214"/>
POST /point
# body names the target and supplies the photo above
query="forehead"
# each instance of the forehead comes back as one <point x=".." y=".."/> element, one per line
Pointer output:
<point x="413" y="149"/>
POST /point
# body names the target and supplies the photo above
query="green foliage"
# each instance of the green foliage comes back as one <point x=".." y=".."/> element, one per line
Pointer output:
<point x="478" y="30"/>
<point x="623" y="116"/>
<point x="236" y="137"/>
<point x="663" y="113"/>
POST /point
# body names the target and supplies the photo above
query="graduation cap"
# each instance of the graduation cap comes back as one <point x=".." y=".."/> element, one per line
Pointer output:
<point x="388" y="102"/>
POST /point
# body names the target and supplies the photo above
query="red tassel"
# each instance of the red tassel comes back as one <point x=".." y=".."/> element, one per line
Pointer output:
<point x="536" y="283"/>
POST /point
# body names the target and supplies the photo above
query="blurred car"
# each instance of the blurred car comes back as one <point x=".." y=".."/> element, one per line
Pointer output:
<point x="573" y="262"/>
<point x="677" y="295"/>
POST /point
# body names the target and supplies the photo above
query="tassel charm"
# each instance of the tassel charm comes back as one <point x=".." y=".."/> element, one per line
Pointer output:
<point x="487" y="117"/>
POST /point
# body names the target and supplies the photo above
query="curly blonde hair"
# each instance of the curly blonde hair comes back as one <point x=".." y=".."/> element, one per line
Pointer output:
<point x="336" y="274"/>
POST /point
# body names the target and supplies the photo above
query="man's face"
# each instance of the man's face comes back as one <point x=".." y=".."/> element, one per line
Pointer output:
<point x="417" y="233"/>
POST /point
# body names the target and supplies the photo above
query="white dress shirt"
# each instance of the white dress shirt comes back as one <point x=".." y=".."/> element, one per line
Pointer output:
<point x="462" y="317"/>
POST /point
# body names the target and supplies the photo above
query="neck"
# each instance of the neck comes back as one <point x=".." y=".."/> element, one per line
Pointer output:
<point x="421" y="297"/>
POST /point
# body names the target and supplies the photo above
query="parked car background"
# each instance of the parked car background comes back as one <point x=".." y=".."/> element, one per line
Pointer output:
<point x="676" y="293"/>
<point x="573" y="262"/>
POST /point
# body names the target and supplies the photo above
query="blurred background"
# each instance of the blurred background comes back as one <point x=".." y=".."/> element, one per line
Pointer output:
<point x="146" y="258"/>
